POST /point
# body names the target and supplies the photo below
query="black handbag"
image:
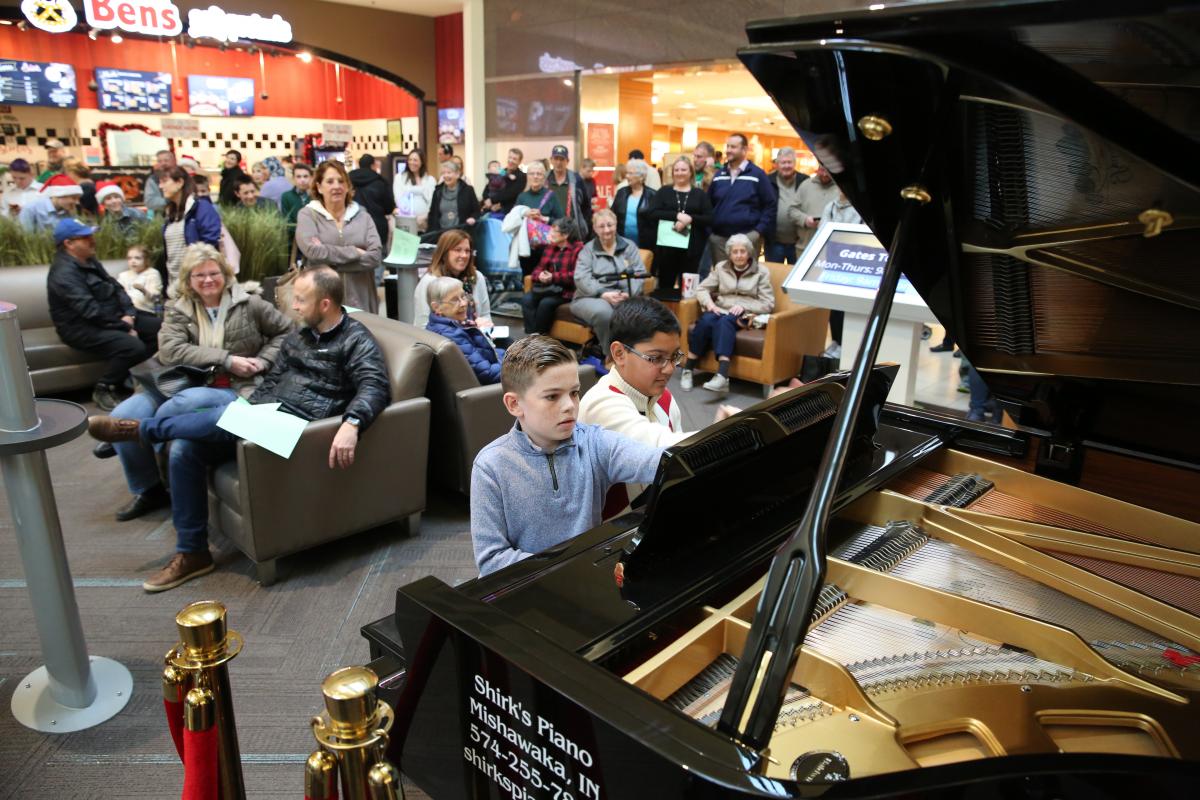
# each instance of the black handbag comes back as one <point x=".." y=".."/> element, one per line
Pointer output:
<point x="166" y="382"/>
<point x="541" y="290"/>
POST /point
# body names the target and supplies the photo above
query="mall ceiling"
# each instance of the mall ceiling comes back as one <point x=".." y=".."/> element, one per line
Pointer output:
<point x="722" y="96"/>
<point x="423" y="8"/>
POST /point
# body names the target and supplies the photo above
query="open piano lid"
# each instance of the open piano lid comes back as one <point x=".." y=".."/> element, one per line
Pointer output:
<point x="1065" y="260"/>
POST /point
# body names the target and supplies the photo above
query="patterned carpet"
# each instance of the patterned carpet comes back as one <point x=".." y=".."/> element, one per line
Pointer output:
<point x="296" y="631"/>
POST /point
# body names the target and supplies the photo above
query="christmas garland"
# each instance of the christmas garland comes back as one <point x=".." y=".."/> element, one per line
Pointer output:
<point x="105" y="127"/>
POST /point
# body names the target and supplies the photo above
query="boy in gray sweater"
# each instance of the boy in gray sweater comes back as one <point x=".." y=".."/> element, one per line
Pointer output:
<point x="544" y="482"/>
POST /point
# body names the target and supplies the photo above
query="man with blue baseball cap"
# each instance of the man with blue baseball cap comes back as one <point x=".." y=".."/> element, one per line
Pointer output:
<point x="91" y="311"/>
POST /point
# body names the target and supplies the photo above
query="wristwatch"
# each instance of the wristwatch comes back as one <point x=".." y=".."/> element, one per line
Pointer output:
<point x="355" y="421"/>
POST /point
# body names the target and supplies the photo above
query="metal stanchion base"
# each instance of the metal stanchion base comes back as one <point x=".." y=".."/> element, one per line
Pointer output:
<point x="34" y="706"/>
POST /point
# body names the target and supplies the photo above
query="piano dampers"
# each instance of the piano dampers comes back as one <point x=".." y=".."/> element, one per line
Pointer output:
<point x="805" y="410"/>
<point x="960" y="491"/>
<point x="899" y="540"/>
<point x="726" y="444"/>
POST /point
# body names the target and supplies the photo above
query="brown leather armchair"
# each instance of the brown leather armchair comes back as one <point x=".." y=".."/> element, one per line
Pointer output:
<point x="54" y="366"/>
<point x="466" y="416"/>
<point x="270" y="508"/>
<point x="774" y="353"/>
<point x="569" y="328"/>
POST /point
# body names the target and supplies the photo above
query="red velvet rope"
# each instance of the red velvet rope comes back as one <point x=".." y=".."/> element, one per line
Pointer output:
<point x="200" y="764"/>
<point x="175" y="723"/>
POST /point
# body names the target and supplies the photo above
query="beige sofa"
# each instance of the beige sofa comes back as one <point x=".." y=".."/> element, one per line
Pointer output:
<point x="271" y="508"/>
<point x="466" y="416"/>
<point x="53" y="365"/>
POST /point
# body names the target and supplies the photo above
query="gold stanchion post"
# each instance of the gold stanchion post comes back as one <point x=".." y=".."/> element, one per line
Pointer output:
<point x="352" y="732"/>
<point x="198" y="669"/>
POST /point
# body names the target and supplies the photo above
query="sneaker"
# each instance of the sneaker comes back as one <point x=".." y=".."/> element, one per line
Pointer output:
<point x="144" y="503"/>
<point x="105" y="397"/>
<point x="833" y="351"/>
<point x="180" y="569"/>
<point x="685" y="380"/>
<point x="717" y="383"/>
<point x="113" y="429"/>
<point x="104" y="450"/>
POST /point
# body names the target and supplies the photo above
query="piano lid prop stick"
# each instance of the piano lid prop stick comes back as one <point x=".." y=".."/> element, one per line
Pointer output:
<point x="798" y="569"/>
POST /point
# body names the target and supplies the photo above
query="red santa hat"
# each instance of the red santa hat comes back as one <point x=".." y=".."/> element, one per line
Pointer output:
<point x="105" y="188"/>
<point x="61" y="186"/>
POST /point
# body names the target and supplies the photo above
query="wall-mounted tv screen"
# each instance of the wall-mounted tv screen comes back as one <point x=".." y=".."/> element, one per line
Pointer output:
<point x="131" y="90"/>
<point x="36" y="83"/>
<point x="213" y="96"/>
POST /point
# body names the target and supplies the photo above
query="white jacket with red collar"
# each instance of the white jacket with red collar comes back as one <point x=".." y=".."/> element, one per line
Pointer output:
<point x="614" y="404"/>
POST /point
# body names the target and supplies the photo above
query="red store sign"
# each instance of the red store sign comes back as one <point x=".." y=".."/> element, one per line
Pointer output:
<point x="153" y="17"/>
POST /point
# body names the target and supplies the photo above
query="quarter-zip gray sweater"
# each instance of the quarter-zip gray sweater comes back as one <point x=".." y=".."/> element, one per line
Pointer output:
<point x="524" y="500"/>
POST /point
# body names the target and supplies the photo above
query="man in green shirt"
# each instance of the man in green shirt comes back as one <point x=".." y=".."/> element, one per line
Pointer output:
<point x="296" y="198"/>
<point x="56" y="151"/>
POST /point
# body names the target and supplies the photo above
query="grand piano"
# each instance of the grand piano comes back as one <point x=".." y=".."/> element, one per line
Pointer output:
<point x="831" y="595"/>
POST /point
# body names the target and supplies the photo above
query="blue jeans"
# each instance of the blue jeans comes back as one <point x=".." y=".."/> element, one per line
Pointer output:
<point x="197" y="444"/>
<point x="781" y="253"/>
<point x="137" y="460"/>
<point x="718" y="331"/>
<point x="982" y="405"/>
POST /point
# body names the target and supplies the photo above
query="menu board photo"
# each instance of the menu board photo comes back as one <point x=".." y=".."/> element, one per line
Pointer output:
<point x="213" y="96"/>
<point x="37" y="83"/>
<point x="131" y="90"/>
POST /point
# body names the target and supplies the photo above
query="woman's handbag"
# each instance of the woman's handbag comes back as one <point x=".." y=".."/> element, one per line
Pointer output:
<point x="540" y="290"/>
<point x="538" y="230"/>
<point x="164" y="382"/>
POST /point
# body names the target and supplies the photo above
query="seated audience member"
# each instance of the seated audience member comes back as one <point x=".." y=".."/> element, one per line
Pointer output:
<point x="454" y="257"/>
<point x="91" y="311"/>
<point x="330" y="367"/>
<point x="553" y="278"/>
<point x="544" y="482"/>
<point x="447" y="315"/>
<point x="58" y="200"/>
<point x="454" y="204"/>
<point x="633" y="399"/>
<point x="142" y="283"/>
<point x="246" y="191"/>
<point x="111" y="198"/>
<point x="735" y="290"/>
<point x="599" y="287"/>
<point x="215" y="323"/>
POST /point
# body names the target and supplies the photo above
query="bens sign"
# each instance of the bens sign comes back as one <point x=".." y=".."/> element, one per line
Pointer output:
<point x="158" y="18"/>
<point x="153" y="17"/>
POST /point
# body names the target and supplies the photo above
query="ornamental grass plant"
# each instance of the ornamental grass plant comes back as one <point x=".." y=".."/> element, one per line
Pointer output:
<point x="261" y="236"/>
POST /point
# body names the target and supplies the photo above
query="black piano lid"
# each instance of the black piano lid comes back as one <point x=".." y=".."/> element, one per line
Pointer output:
<point x="1075" y="124"/>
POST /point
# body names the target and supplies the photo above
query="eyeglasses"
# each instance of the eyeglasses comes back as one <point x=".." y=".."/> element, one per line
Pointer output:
<point x="656" y="361"/>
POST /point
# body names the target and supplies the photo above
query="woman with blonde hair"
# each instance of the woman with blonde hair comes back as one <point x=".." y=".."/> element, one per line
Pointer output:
<point x="454" y="257"/>
<point x="333" y="230"/>
<point x="688" y="210"/>
<point x="213" y="324"/>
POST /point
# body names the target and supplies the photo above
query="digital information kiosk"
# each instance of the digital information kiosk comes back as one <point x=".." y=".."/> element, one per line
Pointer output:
<point x="840" y="269"/>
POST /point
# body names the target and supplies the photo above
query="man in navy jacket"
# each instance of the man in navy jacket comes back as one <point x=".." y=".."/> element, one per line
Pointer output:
<point x="743" y="200"/>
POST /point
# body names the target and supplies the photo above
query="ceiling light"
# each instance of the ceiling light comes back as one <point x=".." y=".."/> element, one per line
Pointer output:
<point x="876" y="7"/>
<point x="305" y="56"/>
<point x="653" y="99"/>
<point x="687" y="106"/>
<point x="117" y="38"/>
<point x="568" y="82"/>
<point x="660" y="113"/>
<point x="703" y="118"/>
<point x="740" y="112"/>
<point x="680" y="91"/>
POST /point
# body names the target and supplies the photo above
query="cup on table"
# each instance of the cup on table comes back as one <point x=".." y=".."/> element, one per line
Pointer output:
<point x="689" y="281"/>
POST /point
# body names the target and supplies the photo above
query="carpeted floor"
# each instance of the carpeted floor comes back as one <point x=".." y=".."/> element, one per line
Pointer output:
<point x="296" y="631"/>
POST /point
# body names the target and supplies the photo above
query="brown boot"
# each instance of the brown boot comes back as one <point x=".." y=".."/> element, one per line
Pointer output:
<point x="113" y="429"/>
<point x="180" y="569"/>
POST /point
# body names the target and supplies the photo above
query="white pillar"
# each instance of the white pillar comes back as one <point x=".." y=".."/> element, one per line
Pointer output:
<point x="475" y="156"/>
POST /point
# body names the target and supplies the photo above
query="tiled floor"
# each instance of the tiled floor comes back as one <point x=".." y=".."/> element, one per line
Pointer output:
<point x="296" y="631"/>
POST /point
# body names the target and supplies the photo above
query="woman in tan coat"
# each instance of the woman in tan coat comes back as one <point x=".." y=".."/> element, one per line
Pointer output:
<point x="212" y="323"/>
<point x="335" y="231"/>
<point x="736" y="290"/>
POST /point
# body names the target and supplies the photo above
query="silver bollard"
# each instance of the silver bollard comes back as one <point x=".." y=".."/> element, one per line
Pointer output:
<point x="72" y="691"/>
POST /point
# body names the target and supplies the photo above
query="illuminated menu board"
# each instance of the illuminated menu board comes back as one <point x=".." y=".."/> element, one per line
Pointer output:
<point x="36" y="83"/>
<point x="131" y="90"/>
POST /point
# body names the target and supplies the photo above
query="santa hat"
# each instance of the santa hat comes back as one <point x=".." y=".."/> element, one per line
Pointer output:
<point x="189" y="164"/>
<point x="105" y="188"/>
<point x="61" y="186"/>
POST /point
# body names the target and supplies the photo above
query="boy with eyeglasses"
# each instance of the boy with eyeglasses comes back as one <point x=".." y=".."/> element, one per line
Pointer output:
<point x="633" y="399"/>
